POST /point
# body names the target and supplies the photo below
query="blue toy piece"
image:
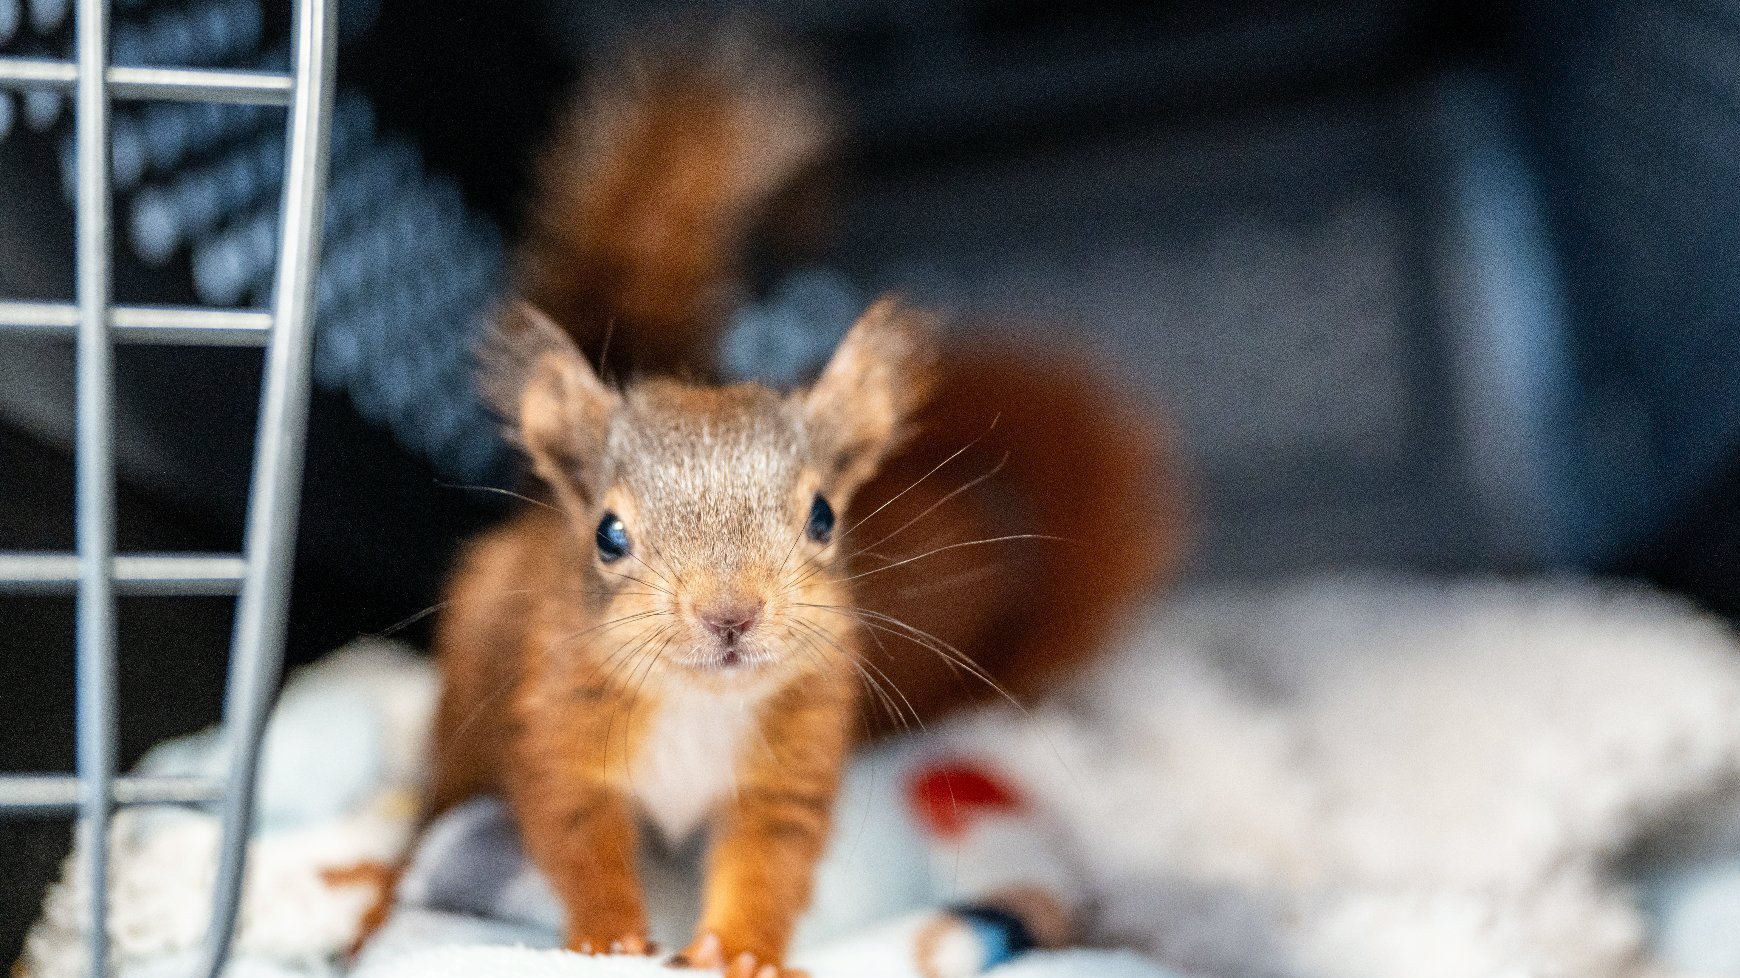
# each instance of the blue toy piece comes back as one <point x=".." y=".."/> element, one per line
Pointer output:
<point x="46" y="16"/>
<point x="166" y="216"/>
<point x="789" y="336"/>
<point x="11" y="18"/>
<point x="212" y="32"/>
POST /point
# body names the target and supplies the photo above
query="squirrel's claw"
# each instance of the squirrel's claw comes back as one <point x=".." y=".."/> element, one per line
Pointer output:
<point x="626" y="944"/>
<point x="709" y="952"/>
<point x="705" y="952"/>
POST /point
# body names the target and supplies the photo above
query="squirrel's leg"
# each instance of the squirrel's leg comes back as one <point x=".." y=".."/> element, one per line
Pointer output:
<point x="767" y="841"/>
<point x="583" y="836"/>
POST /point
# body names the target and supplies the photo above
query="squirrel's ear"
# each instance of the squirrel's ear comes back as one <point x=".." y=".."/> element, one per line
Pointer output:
<point x="551" y="397"/>
<point x="878" y="378"/>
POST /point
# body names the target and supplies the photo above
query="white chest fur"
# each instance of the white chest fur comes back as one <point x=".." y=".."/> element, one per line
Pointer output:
<point x="687" y="763"/>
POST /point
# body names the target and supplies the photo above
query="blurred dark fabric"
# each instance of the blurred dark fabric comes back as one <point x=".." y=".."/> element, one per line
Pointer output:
<point x="1631" y="115"/>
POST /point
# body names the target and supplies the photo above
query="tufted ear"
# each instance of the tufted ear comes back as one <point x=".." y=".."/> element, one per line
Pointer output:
<point x="552" y="399"/>
<point x="880" y="375"/>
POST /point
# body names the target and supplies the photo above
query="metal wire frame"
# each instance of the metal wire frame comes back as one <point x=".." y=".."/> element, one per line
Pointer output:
<point x="260" y="576"/>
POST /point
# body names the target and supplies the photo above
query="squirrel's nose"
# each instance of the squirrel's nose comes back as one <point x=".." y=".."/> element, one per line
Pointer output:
<point x="729" y="622"/>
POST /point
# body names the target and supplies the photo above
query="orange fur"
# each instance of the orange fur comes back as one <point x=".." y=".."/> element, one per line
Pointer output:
<point x="568" y="679"/>
<point x="1080" y="475"/>
<point x="568" y="670"/>
<point x="650" y="189"/>
<point x="1083" y="464"/>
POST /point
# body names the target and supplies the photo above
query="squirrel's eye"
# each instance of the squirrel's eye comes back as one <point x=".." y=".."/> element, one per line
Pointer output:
<point x="821" y="524"/>
<point x="612" y="538"/>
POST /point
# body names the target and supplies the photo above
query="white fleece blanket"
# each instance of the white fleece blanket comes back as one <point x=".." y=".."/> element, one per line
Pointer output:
<point x="513" y="962"/>
<point x="1362" y="778"/>
<point x="1337" y="779"/>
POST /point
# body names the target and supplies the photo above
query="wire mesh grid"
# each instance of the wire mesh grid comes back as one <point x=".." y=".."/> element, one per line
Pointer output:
<point x="259" y="575"/>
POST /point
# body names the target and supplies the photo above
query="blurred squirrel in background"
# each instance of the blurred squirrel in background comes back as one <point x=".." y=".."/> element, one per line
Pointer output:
<point x="685" y="629"/>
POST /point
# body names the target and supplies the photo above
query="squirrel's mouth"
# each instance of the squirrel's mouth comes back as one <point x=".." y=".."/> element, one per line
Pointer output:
<point x="728" y="657"/>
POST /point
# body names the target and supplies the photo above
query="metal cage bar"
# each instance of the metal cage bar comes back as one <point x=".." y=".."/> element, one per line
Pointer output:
<point x="59" y="794"/>
<point x="94" y="516"/>
<point x="164" y="84"/>
<point x="182" y="574"/>
<point x="257" y="650"/>
<point x="171" y="325"/>
<point x="260" y="576"/>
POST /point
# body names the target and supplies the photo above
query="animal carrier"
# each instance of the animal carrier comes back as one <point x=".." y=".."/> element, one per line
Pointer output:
<point x="259" y="575"/>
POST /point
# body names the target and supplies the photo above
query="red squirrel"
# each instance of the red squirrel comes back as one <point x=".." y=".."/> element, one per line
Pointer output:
<point x="662" y="643"/>
<point x="649" y="198"/>
<point x="686" y="631"/>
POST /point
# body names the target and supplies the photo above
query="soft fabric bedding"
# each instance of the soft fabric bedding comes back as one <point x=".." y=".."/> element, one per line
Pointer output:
<point x="1338" y="778"/>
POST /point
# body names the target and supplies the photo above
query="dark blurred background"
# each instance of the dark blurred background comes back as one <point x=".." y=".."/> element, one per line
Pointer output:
<point x="1446" y="286"/>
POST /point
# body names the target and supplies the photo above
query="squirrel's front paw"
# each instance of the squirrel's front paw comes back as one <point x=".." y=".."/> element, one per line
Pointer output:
<point x="620" y="944"/>
<point x="709" y="951"/>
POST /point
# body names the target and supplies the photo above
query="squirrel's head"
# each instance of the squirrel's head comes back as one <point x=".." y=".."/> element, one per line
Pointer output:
<point x="710" y="520"/>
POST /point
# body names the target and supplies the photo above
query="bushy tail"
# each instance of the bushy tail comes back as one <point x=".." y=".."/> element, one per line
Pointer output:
<point x="1083" y="482"/>
<point x="647" y="201"/>
<point x="648" y="195"/>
